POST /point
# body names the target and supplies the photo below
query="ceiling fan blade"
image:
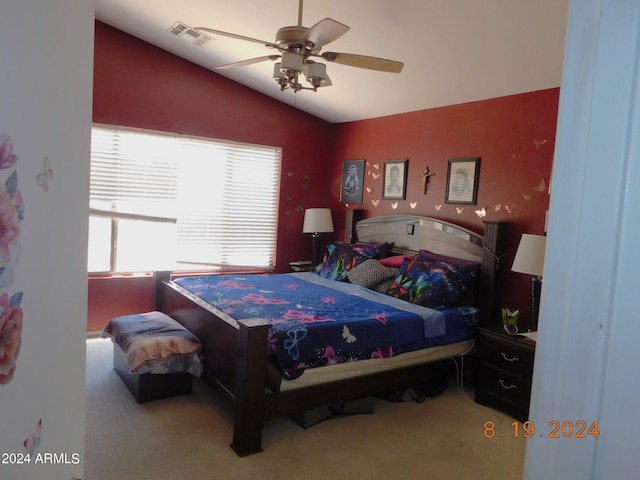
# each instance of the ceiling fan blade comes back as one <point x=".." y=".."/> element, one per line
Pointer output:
<point x="364" y="61"/>
<point x="236" y="36"/>
<point x="325" y="31"/>
<point x="250" y="61"/>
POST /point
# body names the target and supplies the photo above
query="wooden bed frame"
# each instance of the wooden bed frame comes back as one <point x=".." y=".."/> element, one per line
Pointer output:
<point x="235" y="353"/>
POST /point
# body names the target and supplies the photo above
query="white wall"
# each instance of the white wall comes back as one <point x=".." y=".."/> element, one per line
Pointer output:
<point x="46" y="58"/>
<point x="587" y="354"/>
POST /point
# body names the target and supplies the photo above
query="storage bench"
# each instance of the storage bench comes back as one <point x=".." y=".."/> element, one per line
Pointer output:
<point x="150" y="386"/>
<point x="154" y="355"/>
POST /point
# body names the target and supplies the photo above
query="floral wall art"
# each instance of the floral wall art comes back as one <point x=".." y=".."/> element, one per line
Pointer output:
<point x="11" y="215"/>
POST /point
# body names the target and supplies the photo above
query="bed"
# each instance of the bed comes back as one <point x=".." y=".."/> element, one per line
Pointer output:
<point x="343" y="362"/>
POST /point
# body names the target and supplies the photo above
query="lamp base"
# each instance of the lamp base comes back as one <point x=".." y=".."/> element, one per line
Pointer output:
<point x="536" y="287"/>
<point x="317" y="249"/>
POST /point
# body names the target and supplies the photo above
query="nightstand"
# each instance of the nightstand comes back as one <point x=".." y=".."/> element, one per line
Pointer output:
<point x="504" y="372"/>
<point x="302" y="266"/>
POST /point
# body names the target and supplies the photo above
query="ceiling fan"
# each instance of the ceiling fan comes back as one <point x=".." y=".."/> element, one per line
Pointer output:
<point x="299" y="46"/>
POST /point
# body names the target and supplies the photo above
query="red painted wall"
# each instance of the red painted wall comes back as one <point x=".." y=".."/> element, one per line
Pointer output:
<point x="514" y="137"/>
<point x="111" y="297"/>
<point x="138" y="85"/>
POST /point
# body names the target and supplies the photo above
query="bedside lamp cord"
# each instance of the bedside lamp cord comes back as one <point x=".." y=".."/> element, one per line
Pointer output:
<point x="494" y="255"/>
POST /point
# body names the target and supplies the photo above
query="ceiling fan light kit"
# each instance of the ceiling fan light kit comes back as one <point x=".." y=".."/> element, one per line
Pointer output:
<point x="298" y="46"/>
<point x="287" y="71"/>
<point x="316" y="75"/>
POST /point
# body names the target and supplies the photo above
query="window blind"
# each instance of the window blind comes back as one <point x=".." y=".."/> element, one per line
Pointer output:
<point x="223" y="196"/>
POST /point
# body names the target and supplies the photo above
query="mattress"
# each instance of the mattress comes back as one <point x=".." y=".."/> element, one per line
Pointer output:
<point x="344" y="371"/>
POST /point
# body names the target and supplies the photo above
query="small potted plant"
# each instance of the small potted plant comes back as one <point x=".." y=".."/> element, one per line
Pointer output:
<point x="510" y="320"/>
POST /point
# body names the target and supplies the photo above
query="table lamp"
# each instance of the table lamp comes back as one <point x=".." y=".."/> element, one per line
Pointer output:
<point x="530" y="259"/>
<point x="317" y="221"/>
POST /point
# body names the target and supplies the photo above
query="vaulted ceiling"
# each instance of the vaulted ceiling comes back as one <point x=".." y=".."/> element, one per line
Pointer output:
<point x="454" y="51"/>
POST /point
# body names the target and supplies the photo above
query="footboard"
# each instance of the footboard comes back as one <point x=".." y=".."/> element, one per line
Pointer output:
<point x="235" y="359"/>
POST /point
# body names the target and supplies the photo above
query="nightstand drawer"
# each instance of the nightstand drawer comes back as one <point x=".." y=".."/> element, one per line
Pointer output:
<point x="504" y="385"/>
<point x="507" y="357"/>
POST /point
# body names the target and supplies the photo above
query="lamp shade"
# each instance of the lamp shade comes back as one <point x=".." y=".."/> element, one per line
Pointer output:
<point x="317" y="220"/>
<point x="530" y="255"/>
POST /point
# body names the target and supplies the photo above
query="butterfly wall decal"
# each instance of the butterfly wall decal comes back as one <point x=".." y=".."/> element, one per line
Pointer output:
<point x="413" y="204"/>
<point x="375" y="176"/>
<point x="539" y="143"/>
<point x="482" y="212"/>
<point x="394" y="205"/>
<point x="459" y="210"/>
<point x="375" y="202"/>
<point x="438" y="207"/>
<point x="33" y="441"/>
<point x="46" y="175"/>
<point x="541" y="187"/>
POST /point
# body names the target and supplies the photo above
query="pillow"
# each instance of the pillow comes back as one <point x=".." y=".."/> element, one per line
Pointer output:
<point x="371" y="250"/>
<point x="371" y="273"/>
<point x="469" y="265"/>
<point x="380" y="250"/>
<point x="430" y="283"/>
<point x="393" y="261"/>
<point x="386" y="285"/>
<point x="341" y="259"/>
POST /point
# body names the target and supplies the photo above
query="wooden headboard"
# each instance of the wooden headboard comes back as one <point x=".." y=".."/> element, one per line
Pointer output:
<point x="410" y="233"/>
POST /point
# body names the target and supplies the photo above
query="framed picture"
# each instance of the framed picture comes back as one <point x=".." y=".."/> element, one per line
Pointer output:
<point x="352" y="184"/>
<point x="394" y="184"/>
<point x="462" y="181"/>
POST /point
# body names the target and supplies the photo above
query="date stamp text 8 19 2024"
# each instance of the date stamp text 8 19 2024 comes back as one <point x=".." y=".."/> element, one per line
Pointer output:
<point x="555" y="429"/>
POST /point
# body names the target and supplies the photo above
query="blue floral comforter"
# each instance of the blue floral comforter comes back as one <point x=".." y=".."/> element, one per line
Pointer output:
<point x="317" y="322"/>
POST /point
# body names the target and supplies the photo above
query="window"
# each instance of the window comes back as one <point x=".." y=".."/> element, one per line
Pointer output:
<point x="159" y="201"/>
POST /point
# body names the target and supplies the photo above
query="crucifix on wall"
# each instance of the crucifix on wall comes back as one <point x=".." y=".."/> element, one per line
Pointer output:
<point x="426" y="175"/>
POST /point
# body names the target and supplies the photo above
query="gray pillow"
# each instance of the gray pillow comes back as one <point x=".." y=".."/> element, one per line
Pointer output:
<point x="386" y="285"/>
<point x="371" y="273"/>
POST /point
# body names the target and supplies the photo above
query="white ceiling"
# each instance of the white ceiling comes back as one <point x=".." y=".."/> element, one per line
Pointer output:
<point x="454" y="51"/>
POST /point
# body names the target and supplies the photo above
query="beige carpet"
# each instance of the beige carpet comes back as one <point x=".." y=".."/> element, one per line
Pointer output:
<point x="188" y="438"/>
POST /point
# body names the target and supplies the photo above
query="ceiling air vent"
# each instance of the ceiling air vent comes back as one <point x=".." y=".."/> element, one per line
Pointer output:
<point x="179" y="29"/>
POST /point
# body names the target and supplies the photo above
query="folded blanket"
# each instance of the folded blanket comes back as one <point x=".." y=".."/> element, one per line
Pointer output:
<point x="151" y="336"/>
